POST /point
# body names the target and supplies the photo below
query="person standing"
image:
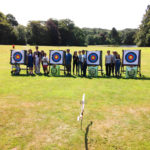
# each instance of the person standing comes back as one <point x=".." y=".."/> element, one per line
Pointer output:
<point x="68" y="62"/>
<point x="75" y="62"/>
<point x="80" y="64"/>
<point x="45" y="64"/>
<point x="30" y="61"/>
<point x="113" y="62"/>
<point x="84" y="64"/>
<point x="37" y="60"/>
<point x="108" y="62"/>
<point x="42" y="55"/>
<point x="117" y="65"/>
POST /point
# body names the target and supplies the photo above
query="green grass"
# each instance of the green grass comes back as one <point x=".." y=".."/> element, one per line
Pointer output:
<point x="40" y="113"/>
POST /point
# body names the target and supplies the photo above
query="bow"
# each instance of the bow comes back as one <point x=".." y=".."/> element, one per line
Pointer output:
<point x="80" y="117"/>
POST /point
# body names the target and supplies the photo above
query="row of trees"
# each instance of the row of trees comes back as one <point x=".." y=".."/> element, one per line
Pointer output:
<point x="113" y="37"/>
<point x="64" y="32"/>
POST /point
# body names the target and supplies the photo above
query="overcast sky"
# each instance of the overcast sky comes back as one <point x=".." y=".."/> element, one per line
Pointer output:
<point x="85" y="13"/>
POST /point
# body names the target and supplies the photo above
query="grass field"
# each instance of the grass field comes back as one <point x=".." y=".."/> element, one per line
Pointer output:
<point x="40" y="113"/>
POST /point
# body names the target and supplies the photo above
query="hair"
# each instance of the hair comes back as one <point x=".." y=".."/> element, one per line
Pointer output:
<point x="118" y="56"/>
<point x="37" y="47"/>
<point x="30" y="51"/>
<point x="75" y="53"/>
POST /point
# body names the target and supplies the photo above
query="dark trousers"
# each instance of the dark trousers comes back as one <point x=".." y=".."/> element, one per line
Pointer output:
<point x="75" y="65"/>
<point x="68" y="68"/>
<point x="84" y="67"/>
<point x="80" y="68"/>
<point x="108" y="69"/>
<point x="117" y="68"/>
<point x="112" y="68"/>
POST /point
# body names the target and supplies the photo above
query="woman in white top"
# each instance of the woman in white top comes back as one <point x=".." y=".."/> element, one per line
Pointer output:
<point x="37" y="59"/>
<point x="108" y="62"/>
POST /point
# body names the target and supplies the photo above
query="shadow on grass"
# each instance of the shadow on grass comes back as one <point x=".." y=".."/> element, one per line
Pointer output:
<point x="87" y="77"/>
<point x="86" y="135"/>
<point x="63" y="76"/>
<point x="23" y="75"/>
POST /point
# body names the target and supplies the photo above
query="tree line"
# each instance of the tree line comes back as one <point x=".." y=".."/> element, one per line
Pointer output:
<point x="65" y="33"/>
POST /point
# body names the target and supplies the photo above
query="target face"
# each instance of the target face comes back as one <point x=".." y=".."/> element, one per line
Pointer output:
<point x="54" y="71"/>
<point x="93" y="58"/>
<point x="131" y="57"/>
<point x="18" y="56"/>
<point x="92" y="72"/>
<point x="56" y="57"/>
<point x="131" y="72"/>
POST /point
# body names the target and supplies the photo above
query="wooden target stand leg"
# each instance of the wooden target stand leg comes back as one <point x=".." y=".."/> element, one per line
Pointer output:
<point x="64" y="70"/>
<point x="139" y="71"/>
<point x="102" y="70"/>
<point x="27" y="70"/>
<point x="122" y="70"/>
<point x="49" y="69"/>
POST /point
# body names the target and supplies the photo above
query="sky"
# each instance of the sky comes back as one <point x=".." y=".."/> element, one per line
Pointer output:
<point x="104" y="14"/>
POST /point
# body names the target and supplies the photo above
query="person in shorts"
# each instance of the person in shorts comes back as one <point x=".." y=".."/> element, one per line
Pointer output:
<point x="45" y="64"/>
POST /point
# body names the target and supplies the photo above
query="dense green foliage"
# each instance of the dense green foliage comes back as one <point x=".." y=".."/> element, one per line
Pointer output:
<point x="143" y="34"/>
<point x="64" y="32"/>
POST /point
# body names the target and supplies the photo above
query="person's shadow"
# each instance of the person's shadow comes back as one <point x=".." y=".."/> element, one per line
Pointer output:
<point x="86" y="135"/>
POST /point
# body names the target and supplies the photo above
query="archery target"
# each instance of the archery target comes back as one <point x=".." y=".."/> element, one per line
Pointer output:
<point x="56" y="57"/>
<point x="131" y="57"/>
<point x="93" y="71"/>
<point x="18" y="57"/>
<point x="54" y="71"/>
<point x="93" y="57"/>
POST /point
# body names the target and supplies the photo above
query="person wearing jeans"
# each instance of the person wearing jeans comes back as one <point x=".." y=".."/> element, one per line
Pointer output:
<point x="117" y="65"/>
<point x="113" y="62"/>
<point x="68" y="62"/>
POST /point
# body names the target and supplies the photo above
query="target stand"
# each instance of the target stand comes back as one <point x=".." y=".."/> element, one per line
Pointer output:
<point x="94" y="59"/>
<point x="131" y="58"/>
<point x="17" y="59"/>
<point x="57" y="57"/>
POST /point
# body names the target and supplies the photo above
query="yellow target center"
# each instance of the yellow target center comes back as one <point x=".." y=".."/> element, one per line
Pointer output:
<point x="130" y="57"/>
<point x="93" y="57"/>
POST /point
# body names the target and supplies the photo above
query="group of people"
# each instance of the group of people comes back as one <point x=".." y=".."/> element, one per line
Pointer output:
<point x="112" y="62"/>
<point x="79" y="62"/>
<point x="36" y="59"/>
<point x="39" y="57"/>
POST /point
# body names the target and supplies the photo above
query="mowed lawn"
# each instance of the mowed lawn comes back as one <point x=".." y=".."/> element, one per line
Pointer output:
<point x="40" y="113"/>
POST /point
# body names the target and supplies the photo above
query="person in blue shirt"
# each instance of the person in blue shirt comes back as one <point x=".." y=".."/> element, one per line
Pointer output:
<point x="68" y="62"/>
<point x="30" y="61"/>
